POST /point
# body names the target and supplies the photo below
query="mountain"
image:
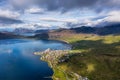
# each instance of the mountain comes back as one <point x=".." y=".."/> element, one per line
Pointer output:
<point x="84" y="29"/>
<point x="40" y="36"/>
<point x="23" y="30"/>
<point x="41" y="31"/>
<point x="8" y="36"/>
<point x="112" y="29"/>
<point x="45" y="34"/>
<point x="106" y="30"/>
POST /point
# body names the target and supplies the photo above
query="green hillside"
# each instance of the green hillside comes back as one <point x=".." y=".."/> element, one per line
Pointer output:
<point x="95" y="57"/>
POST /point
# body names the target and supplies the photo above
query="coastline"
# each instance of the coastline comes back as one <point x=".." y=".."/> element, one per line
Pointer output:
<point x="53" y="64"/>
<point x="49" y="62"/>
<point x="47" y="56"/>
<point x="63" y="41"/>
<point x="86" y="61"/>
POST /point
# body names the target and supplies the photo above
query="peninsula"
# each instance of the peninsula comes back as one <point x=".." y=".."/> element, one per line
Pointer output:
<point x="93" y="57"/>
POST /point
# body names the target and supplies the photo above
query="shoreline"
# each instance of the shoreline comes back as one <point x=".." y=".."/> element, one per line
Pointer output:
<point x="49" y="62"/>
<point x="47" y="56"/>
<point x="62" y="41"/>
<point x="53" y="64"/>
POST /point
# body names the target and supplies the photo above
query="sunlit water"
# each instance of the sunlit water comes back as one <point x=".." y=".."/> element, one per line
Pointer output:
<point x="17" y="61"/>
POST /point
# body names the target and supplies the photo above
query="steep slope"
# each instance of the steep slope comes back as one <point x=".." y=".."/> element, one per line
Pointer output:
<point x="106" y="30"/>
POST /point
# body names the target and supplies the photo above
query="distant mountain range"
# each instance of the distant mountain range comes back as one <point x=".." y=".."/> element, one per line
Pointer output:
<point x="106" y="30"/>
<point x="44" y="34"/>
<point x="8" y="36"/>
<point x="23" y="30"/>
<point x="41" y="31"/>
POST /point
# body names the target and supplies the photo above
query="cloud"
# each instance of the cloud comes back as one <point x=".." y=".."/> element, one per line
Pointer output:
<point x="51" y="5"/>
<point x="20" y="4"/>
<point x="66" y="5"/>
<point x="57" y="20"/>
<point x="9" y="17"/>
<point x="107" y="12"/>
<point x="33" y="26"/>
<point x="99" y="21"/>
<point x="113" y="16"/>
<point x="6" y="21"/>
<point x="35" y="10"/>
<point x="9" y="14"/>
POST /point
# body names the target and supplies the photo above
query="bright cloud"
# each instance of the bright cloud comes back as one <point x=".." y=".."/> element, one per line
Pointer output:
<point x="9" y="14"/>
<point x="58" y="20"/>
<point x="35" y="10"/>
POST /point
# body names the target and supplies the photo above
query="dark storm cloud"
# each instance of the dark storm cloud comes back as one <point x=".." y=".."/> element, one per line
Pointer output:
<point x="107" y="5"/>
<point x="6" y="21"/>
<point x="66" y="4"/>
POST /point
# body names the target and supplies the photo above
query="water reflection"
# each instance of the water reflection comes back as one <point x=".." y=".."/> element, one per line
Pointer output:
<point x="17" y="61"/>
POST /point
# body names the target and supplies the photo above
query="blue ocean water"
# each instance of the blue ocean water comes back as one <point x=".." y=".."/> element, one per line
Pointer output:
<point x="17" y="61"/>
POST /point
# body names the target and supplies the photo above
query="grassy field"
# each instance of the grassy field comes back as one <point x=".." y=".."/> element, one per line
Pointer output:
<point x="96" y="57"/>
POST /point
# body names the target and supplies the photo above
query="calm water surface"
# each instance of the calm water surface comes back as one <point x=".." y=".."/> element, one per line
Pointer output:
<point x="17" y="61"/>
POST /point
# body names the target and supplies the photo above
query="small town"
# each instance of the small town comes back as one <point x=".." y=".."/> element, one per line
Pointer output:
<point x="54" y="57"/>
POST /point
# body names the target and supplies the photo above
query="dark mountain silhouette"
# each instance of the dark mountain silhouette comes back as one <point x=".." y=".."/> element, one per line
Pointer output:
<point x="8" y="36"/>
<point x="12" y="36"/>
<point x="106" y="30"/>
<point x="40" y="36"/>
<point x="84" y="29"/>
<point x="41" y="31"/>
<point x="113" y="29"/>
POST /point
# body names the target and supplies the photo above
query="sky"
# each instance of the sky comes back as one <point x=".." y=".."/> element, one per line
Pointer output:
<point x="53" y="14"/>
